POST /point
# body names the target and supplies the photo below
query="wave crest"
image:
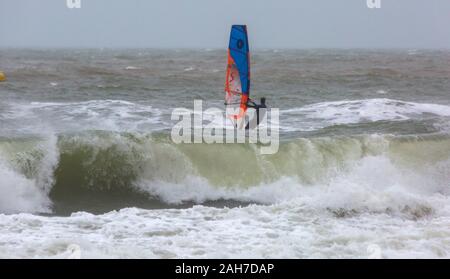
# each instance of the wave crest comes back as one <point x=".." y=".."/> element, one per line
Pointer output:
<point x="100" y="171"/>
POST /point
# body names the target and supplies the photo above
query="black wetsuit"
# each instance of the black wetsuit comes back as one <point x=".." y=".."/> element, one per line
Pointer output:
<point x="252" y="104"/>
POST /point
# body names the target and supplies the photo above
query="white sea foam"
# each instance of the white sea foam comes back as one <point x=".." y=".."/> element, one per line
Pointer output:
<point x="132" y="68"/>
<point x="113" y="115"/>
<point x="119" y="115"/>
<point x="319" y="115"/>
<point x="284" y="230"/>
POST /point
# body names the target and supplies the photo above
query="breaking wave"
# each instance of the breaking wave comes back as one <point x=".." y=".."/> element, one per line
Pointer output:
<point x="100" y="171"/>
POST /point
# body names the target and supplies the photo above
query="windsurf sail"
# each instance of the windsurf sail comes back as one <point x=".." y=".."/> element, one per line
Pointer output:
<point x="237" y="85"/>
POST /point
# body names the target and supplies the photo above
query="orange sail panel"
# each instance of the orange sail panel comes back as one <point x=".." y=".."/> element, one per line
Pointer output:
<point x="237" y="85"/>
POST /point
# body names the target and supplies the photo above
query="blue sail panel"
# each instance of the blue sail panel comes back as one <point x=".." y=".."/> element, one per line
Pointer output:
<point x="239" y="52"/>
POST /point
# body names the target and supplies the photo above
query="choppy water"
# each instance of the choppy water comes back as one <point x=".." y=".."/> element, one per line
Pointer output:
<point x="86" y="157"/>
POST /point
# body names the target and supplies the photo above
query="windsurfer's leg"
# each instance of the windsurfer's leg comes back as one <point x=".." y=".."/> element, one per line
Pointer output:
<point x="262" y="114"/>
<point x="257" y="116"/>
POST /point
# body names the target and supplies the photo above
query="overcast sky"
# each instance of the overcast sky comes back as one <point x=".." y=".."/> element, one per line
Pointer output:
<point x="206" y="23"/>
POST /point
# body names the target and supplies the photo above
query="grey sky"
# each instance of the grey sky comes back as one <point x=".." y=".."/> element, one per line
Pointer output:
<point x="206" y="23"/>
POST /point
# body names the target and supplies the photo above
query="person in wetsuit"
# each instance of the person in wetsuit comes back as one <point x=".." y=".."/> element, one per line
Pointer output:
<point x="262" y="105"/>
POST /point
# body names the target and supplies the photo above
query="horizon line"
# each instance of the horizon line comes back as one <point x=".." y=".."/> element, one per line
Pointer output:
<point x="211" y="48"/>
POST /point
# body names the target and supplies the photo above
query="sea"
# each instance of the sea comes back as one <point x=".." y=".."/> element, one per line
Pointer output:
<point x="88" y="164"/>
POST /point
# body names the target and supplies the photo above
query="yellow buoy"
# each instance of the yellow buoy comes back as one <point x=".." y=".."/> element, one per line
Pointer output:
<point x="2" y="76"/>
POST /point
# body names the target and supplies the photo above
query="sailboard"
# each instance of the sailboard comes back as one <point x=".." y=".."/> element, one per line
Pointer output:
<point x="237" y="84"/>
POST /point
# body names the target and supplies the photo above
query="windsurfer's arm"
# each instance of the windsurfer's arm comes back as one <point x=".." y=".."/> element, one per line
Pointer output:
<point x="251" y="104"/>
